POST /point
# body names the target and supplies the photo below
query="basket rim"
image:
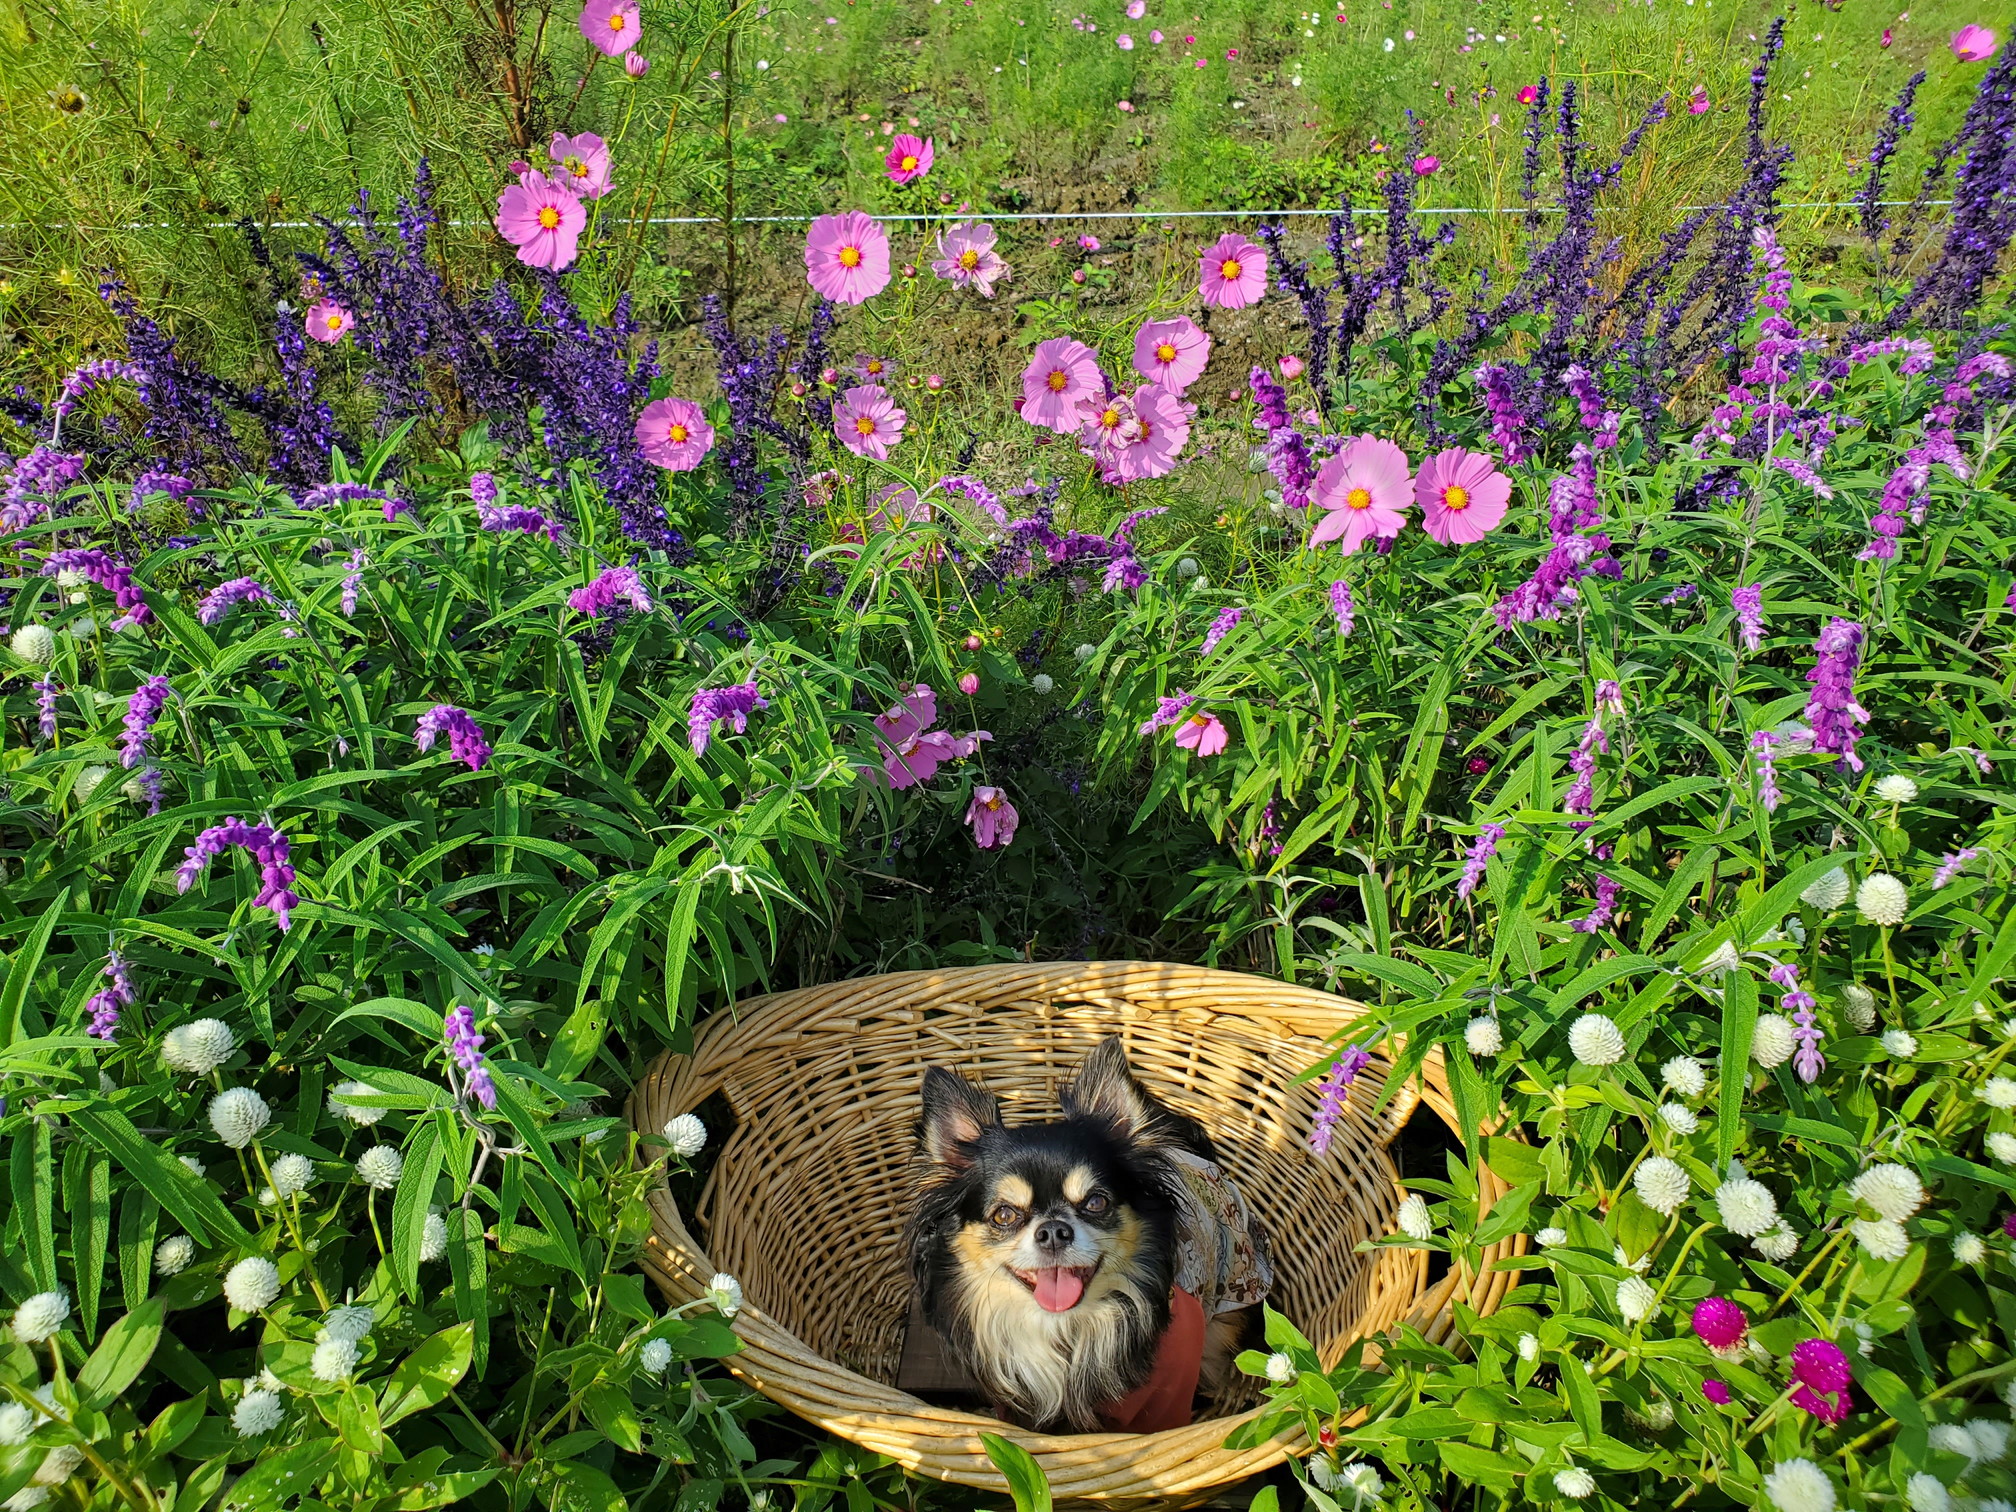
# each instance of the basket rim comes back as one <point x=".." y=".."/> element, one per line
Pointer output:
<point x="1178" y="1465"/>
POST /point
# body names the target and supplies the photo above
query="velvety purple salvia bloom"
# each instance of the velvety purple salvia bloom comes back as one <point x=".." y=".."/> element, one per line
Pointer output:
<point x="1342" y="606"/>
<point x="1767" y="770"/>
<point x="711" y="706"/>
<point x="35" y="484"/>
<point x="107" y="1004"/>
<point x="268" y="847"/>
<point x="353" y="579"/>
<point x="517" y="517"/>
<point x="86" y="378"/>
<point x="1287" y="452"/>
<point x="1494" y="380"/>
<point x="325" y="494"/>
<point x="1681" y="594"/>
<point x="1802" y="473"/>
<point x="1580" y="548"/>
<point x="482" y="489"/>
<point x="465" y="736"/>
<point x="395" y="508"/>
<point x="1600" y="915"/>
<point x="142" y="709"/>
<point x="1167" y="712"/>
<point x="1478" y="857"/>
<point x="1916" y="351"/>
<point x="1951" y="864"/>
<point x="465" y="1046"/>
<point x="1334" y="1091"/>
<point x="1748" y="602"/>
<point x="225" y="597"/>
<point x="1222" y="626"/>
<point x="1832" y="710"/>
<point x="1581" y="795"/>
<point x="1597" y="417"/>
<point x="110" y="573"/>
<point x="45" y="707"/>
<point x="159" y="480"/>
<point x="612" y="586"/>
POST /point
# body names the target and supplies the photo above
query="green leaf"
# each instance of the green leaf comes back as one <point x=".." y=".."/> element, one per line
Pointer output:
<point x="579" y="1487"/>
<point x="468" y="1267"/>
<point x="31" y="1168"/>
<point x="410" y="1202"/>
<point x="21" y="971"/>
<point x="427" y="1375"/>
<point x="1489" y="1468"/>
<point x="280" y="1477"/>
<point x="179" y="1190"/>
<point x="357" y="1421"/>
<point x="1026" y="1481"/>
<point x="608" y="1408"/>
<point x="121" y="1355"/>
<point x="1739" y="1022"/>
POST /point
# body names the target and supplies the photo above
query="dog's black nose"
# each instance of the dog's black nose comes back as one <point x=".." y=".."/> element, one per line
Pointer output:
<point x="1054" y="1234"/>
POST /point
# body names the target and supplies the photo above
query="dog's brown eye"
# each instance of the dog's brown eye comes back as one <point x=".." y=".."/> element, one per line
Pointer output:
<point x="1005" y="1215"/>
<point x="1096" y="1204"/>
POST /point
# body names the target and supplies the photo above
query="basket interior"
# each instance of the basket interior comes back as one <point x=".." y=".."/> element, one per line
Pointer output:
<point x="809" y="1194"/>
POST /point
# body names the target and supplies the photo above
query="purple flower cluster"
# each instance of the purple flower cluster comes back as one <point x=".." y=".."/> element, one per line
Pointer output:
<point x="1478" y="857"/>
<point x="34" y="484"/>
<point x="711" y="706"/>
<point x="1803" y="473"/>
<point x="1332" y="1095"/>
<point x="1767" y="770"/>
<point x="1951" y="864"/>
<point x="106" y="1005"/>
<point x="1581" y="796"/>
<point x="1748" y="602"/>
<point x="353" y="579"/>
<point x="1167" y="712"/>
<point x="1604" y="910"/>
<point x="612" y="586"/>
<point x="159" y="480"/>
<point x="465" y="736"/>
<point x="1807" y="1059"/>
<point x="87" y="378"/>
<point x="45" y="707"/>
<point x="323" y="495"/>
<point x="1494" y="379"/>
<point x="1226" y="622"/>
<point x="110" y="573"/>
<point x="1580" y="547"/>
<point x="142" y="709"/>
<point x="268" y="847"/>
<point x="1680" y="595"/>
<point x="519" y="517"/>
<point x="465" y="1047"/>
<point x="1287" y="452"/>
<point x="225" y="597"/>
<point x="1602" y="422"/>
<point x="1342" y="606"/>
<point x="1831" y="709"/>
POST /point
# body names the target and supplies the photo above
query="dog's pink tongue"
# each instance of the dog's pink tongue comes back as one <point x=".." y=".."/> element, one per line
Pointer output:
<point x="1058" y="1289"/>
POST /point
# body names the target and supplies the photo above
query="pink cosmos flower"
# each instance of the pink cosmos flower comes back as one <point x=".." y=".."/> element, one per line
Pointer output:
<point x="1171" y="352"/>
<point x="847" y="257"/>
<point x="674" y="434"/>
<point x="1124" y="42"/>
<point x="611" y="26"/>
<point x="1697" y="102"/>
<point x="1426" y="164"/>
<point x="1973" y="44"/>
<point x="911" y="750"/>
<point x="909" y="158"/>
<point x="1364" y="489"/>
<point x="1529" y="94"/>
<point x="1136" y="9"/>
<point x="1232" y="273"/>
<point x="543" y="221"/>
<point x="867" y="421"/>
<point x="1203" y="734"/>
<point x="1462" y="496"/>
<point x="328" y="320"/>
<point x="637" y="65"/>
<point x="966" y="257"/>
<point x="1061" y="376"/>
<point x="1886" y="38"/>
<point x="1155" y="37"/>
<point x="584" y="163"/>
<point x="993" y="818"/>
<point x="1138" y="435"/>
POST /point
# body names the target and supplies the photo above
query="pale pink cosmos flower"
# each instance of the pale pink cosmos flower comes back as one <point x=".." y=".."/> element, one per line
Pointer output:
<point x="1202" y="733"/>
<point x="1136" y="9"/>
<point x="674" y="434"/>
<point x="911" y="750"/>
<point x="993" y="818"/>
<point x="583" y="163"/>
<point x="328" y="320"/>
<point x="611" y="26"/>
<point x="1697" y="102"/>
<point x="966" y="257"/>
<point x="1155" y="37"/>
<point x="1364" y="488"/>
<point x="1138" y="435"/>
<point x="1462" y="496"/>
<point x="1974" y="44"/>
<point x="867" y="421"/>
<point x="909" y="158"/>
<point x="1232" y="273"/>
<point x="543" y="221"/>
<point x="1062" y="375"/>
<point x="1171" y="352"/>
<point x="847" y="257"/>
<point x="1124" y="42"/>
<point x="636" y="64"/>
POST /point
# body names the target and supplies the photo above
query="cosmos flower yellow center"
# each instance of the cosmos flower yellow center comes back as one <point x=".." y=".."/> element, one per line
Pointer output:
<point x="1057" y="380"/>
<point x="1109" y="417"/>
<point x="850" y="257"/>
<point x="864" y="425"/>
<point x="910" y="163"/>
<point x="994" y="803"/>
<point x="549" y="218"/>
<point x="1200" y="720"/>
<point x="616" y="22"/>
<point x="1358" y="498"/>
<point x="1229" y="268"/>
<point x="678" y="432"/>
<point x="576" y="167"/>
<point x="1165" y="353"/>
<point x="1455" y="497"/>
<point x="335" y="319"/>
<point x="874" y="366"/>
<point x="969" y="259"/>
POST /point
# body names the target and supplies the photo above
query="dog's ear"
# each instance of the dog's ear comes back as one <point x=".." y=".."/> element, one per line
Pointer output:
<point x="956" y="1113"/>
<point x="1105" y="1089"/>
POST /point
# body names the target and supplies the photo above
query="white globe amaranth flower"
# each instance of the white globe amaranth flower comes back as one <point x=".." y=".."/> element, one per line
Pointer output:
<point x="238" y="1114"/>
<point x="292" y="1175"/>
<point x="1596" y="1040"/>
<point x="1882" y="899"/>
<point x="173" y="1254"/>
<point x="1858" y="1007"/>
<point x="1953" y="1438"/>
<point x="1772" y="1041"/>
<point x="725" y="1292"/>
<point x="1685" y="1075"/>
<point x="333" y="1360"/>
<point x="1746" y="1207"/>
<point x="360" y="1114"/>
<point x="252" y="1284"/>
<point x="1547" y="1238"/>
<point x="433" y="1238"/>
<point x="1722" y="960"/>
<point x="1086" y="651"/>
<point x="1998" y="1092"/>
<point x="1281" y="1370"/>
<point x="257" y="1413"/>
<point x="196" y="1167"/>
<point x="687" y="1135"/>
<point x="1778" y="1243"/>
<point x="1894" y="1191"/>
<point x="1412" y="1218"/>
<point x="353" y="1323"/>
<point x="35" y="644"/>
<point x="38" y="1318"/>
<point x="1969" y="1249"/>
<point x="655" y="1355"/>
<point x="1574" y="1482"/>
<point x="1362" y="1481"/>
<point x="2003" y="1147"/>
<point x="1042" y="684"/>
<point x="1529" y="1347"/>
<point x="1188" y="568"/>
<point x="1656" y="1415"/>
<point x="1483" y="1036"/>
<point x="1896" y="788"/>
<point x="59" y="1464"/>
<point x="380" y="1167"/>
<point x="88" y="782"/>
<point x="1883" y="1238"/>
<point x="1680" y="1118"/>
<point x="1828" y="892"/>
<point x="27" y="1499"/>
<point x="1662" y="1185"/>
<point x="1927" y="1493"/>
<point x="1799" y="1485"/>
<point x="1324" y="1473"/>
<point x="1636" y="1299"/>
<point x="83" y="628"/>
<point x="199" y="1047"/>
<point x="1901" y="1044"/>
<point x="16" y="1423"/>
<point x="1991" y="1438"/>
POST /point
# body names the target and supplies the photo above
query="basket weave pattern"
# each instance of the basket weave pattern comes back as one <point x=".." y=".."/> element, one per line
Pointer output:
<point x="809" y="1193"/>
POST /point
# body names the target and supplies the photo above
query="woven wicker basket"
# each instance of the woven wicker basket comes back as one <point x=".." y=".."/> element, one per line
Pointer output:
<point x="809" y="1191"/>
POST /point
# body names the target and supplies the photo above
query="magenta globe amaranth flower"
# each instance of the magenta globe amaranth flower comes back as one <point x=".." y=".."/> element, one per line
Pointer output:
<point x="847" y="257"/>
<point x="327" y="321"/>
<point x="1232" y="273"/>
<point x="543" y="221"/>
<point x="1822" y="1365"/>
<point x="465" y="736"/>
<point x="674" y="434"/>
<point x="1717" y="1392"/>
<point x="908" y="159"/>
<point x="611" y="26"/>
<point x="1719" y="1323"/>
<point x="867" y="421"/>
